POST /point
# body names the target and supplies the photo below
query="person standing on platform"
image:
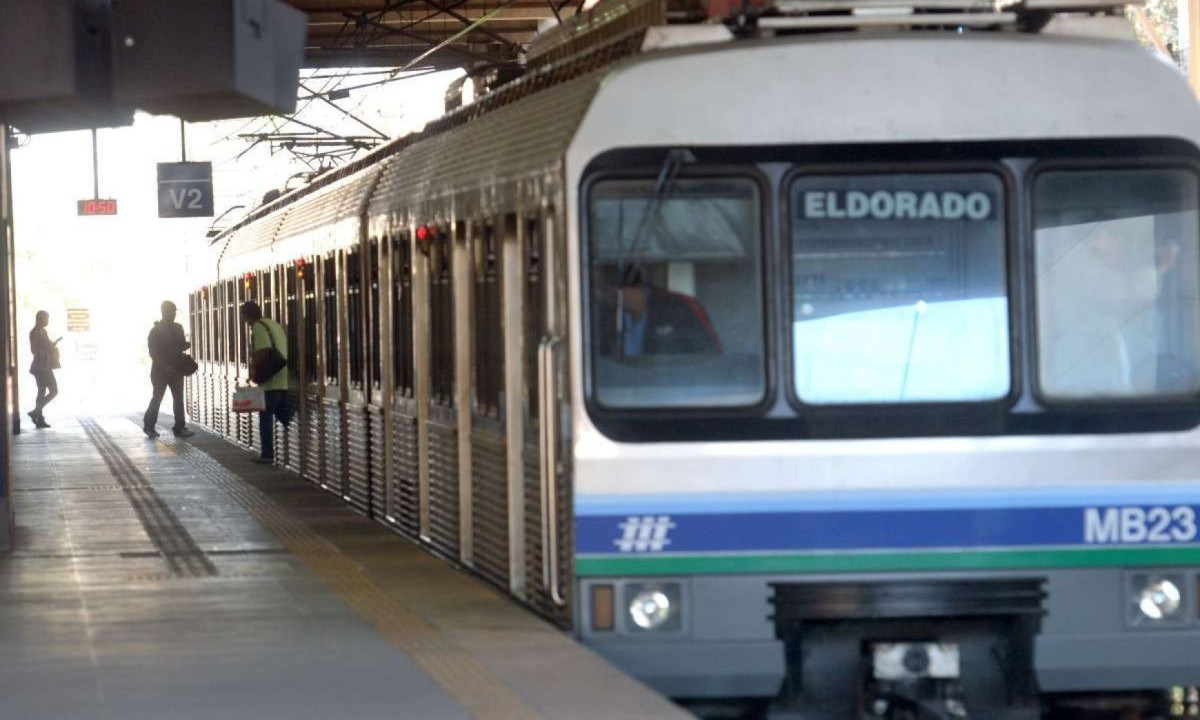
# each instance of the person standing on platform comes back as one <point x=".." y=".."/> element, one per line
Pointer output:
<point x="45" y="360"/>
<point x="267" y="335"/>
<point x="166" y="343"/>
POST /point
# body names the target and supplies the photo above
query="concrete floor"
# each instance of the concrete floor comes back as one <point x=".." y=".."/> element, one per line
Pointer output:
<point x="174" y="580"/>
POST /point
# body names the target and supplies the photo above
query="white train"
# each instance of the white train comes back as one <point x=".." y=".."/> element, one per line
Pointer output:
<point x="850" y="372"/>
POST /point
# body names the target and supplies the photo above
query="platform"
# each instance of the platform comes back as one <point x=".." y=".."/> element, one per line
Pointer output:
<point x="175" y="580"/>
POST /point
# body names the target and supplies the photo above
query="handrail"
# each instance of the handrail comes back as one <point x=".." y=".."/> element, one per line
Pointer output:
<point x="548" y="391"/>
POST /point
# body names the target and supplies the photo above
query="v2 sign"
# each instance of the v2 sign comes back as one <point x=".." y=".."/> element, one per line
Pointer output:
<point x="185" y="190"/>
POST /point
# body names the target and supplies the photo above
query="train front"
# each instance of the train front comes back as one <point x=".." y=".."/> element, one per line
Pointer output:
<point x="886" y="372"/>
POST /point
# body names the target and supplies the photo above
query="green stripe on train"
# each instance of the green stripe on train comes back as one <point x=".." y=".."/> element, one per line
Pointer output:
<point x="884" y="561"/>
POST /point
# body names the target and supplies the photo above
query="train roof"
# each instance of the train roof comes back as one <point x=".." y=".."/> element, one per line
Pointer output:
<point x="529" y="124"/>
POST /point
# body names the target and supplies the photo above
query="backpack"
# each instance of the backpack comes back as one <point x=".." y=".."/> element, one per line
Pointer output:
<point x="265" y="362"/>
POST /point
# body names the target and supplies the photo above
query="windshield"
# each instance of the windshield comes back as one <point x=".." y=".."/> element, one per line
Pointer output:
<point x="899" y="288"/>
<point x="1116" y="264"/>
<point x="676" y="297"/>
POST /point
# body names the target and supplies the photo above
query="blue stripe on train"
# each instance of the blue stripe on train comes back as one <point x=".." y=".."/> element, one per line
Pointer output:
<point x="886" y="529"/>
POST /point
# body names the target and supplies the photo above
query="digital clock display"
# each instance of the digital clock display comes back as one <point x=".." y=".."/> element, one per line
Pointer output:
<point x="97" y="207"/>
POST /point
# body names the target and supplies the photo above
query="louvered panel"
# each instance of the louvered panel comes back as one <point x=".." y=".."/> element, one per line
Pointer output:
<point x="404" y="473"/>
<point x="333" y="450"/>
<point x="215" y="420"/>
<point x="189" y="396"/>
<point x="294" y="459"/>
<point x="245" y="427"/>
<point x="535" y="589"/>
<point x="561" y="615"/>
<point x="232" y="419"/>
<point x="378" y="476"/>
<point x="249" y="247"/>
<point x="489" y="495"/>
<point x="285" y="439"/>
<point x="326" y="218"/>
<point x="358" y="470"/>
<point x="253" y="440"/>
<point x="204" y="392"/>
<point x="515" y="141"/>
<point x="313" y="449"/>
<point x="443" y="487"/>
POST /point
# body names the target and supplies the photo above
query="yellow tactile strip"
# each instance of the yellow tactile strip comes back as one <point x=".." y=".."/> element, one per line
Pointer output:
<point x="463" y="676"/>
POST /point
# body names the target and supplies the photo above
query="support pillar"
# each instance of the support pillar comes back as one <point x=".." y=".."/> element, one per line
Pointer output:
<point x="1191" y="28"/>
<point x="9" y="408"/>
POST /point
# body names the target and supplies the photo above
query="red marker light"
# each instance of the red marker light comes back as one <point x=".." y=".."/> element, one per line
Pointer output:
<point x="422" y="233"/>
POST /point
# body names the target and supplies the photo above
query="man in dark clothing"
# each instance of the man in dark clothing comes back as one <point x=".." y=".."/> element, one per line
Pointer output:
<point x="166" y="343"/>
<point x="638" y="319"/>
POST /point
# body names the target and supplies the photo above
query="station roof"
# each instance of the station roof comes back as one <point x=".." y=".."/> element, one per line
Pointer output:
<point x="424" y="33"/>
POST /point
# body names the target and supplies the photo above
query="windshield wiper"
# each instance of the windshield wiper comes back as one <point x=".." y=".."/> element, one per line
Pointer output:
<point x="628" y="263"/>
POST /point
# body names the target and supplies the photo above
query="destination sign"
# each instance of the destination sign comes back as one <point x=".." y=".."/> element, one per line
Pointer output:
<point x="895" y="205"/>
<point x="97" y="207"/>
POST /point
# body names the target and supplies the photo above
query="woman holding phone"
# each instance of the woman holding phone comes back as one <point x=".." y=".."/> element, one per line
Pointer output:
<point x="45" y="360"/>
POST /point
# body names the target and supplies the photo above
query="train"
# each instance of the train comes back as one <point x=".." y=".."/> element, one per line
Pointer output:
<point x="829" y="362"/>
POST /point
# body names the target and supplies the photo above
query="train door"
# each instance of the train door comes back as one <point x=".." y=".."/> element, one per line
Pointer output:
<point x="402" y="503"/>
<point x="333" y="358"/>
<point x="290" y="315"/>
<point x="548" y="543"/>
<point x="204" y="357"/>
<point x="485" y="477"/>
<point x="355" y="416"/>
<point x="311" y="374"/>
<point x="439" y="481"/>
<point x="229" y="366"/>
<point x="377" y="428"/>
<point x="245" y="293"/>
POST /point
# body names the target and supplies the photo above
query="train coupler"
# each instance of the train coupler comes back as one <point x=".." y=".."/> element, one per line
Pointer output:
<point x="909" y="650"/>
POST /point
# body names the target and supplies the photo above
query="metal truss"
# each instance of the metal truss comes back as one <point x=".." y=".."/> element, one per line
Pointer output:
<point x="409" y="20"/>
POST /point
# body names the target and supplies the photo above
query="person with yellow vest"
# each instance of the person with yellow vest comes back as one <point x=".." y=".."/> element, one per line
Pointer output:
<point x="268" y="348"/>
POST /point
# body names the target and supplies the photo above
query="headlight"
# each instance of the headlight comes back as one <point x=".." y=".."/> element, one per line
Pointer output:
<point x="1160" y="599"/>
<point x="653" y="607"/>
<point x="649" y="609"/>
<point x="1157" y="599"/>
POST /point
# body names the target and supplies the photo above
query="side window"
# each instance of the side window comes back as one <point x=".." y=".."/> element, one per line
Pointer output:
<point x="266" y="291"/>
<point x="402" y="314"/>
<point x="292" y="306"/>
<point x="488" y="336"/>
<point x="232" y="325"/>
<point x="441" y="318"/>
<point x="355" y="317"/>
<point x="329" y="297"/>
<point x="308" y="289"/>
<point x="535" y="309"/>
<point x="375" y="313"/>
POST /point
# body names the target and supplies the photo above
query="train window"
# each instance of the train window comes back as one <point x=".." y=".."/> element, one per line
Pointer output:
<point x="402" y="315"/>
<point x="232" y="325"/>
<point x="214" y="313"/>
<point x="308" y="282"/>
<point x="354" y="317"/>
<point x="291" y="313"/>
<point x="266" y="290"/>
<point x="676" y="293"/>
<point x="899" y="288"/>
<point x="535" y="311"/>
<point x="376" y="313"/>
<point x="1118" y="283"/>
<point x="486" y="325"/>
<point x="329" y="298"/>
<point x="441" y="320"/>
